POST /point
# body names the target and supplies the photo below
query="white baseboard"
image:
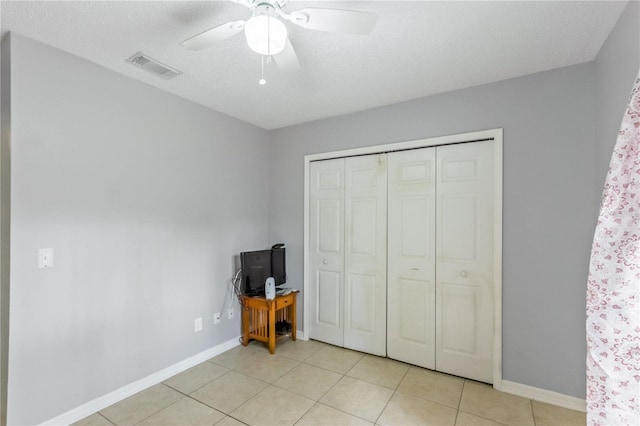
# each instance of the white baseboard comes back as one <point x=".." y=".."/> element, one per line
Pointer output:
<point x="126" y="391"/>
<point x="542" y="395"/>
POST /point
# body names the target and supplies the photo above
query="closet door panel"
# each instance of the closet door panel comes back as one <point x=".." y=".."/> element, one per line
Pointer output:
<point x="416" y="309"/>
<point x="459" y="318"/>
<point x="362" y="288"/>
<point x="411" y="261"/>
<point x="464" y="279"/>
<point x="327" y="299"/>
<point x="326" y="256"/>
<point x="459" y="227"/>
<point x="365" y="253"/>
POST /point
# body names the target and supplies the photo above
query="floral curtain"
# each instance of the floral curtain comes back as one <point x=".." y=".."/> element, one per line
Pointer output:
<point x="613" y="292"/>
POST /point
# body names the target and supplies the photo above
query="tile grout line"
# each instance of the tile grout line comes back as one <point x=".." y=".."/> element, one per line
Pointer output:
<point x="464" y="384"/>
<point x="214" y="408"/>
<point x="271" y="384"/>
<point x="163" y="408"/>
<point x="533" y="414"/>
<point x="317" y="402"/>
<point x="395" y="390"/>
<point x="245" y="402"/>
<point x="197" y="389"/>
<point x="459" y="402"/>
<point x="104" y="417"/>
<point x="342" y="375"/>
<point x="305" y="413"/>
<point x="385" y="407"/>
<point x="474" y="414"/>
<point x="332" y="386"/>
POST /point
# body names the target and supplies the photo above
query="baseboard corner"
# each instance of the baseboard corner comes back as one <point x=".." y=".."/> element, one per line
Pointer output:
<point x="543" y="395"/>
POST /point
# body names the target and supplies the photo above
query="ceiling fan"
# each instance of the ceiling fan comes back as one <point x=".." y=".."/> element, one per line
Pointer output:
<point x="266" y="32"/>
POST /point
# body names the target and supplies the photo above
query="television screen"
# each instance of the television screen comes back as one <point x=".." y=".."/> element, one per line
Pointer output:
<point x="257" y="266"/>
<point x="278" y="265"/>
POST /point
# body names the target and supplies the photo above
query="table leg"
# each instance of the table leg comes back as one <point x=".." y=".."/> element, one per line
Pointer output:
<point x="292" y="311"/>
<point x="245" y="325"/>
<point x="272" y="330"/>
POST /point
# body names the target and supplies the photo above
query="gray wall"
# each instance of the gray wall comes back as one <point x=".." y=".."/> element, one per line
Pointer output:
<point x="5" y="187"/>
<point x="146" y="199"/>
<point x="549" y="209"/>
<point x="617" y="65"/>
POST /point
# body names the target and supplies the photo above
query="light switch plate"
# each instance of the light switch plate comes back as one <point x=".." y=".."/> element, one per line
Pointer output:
<point x="45" y="258"/>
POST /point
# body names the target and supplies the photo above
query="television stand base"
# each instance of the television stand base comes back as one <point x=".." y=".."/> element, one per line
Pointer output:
<point x="260" y="316"/>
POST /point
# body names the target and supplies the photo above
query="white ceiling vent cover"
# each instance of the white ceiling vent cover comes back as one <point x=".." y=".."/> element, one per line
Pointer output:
<point x="154" y="67"/>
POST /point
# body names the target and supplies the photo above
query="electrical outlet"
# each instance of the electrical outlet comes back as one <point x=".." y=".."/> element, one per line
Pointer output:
<point x="216" y="318"/>
<point x="197" y="324"/>
<point x="230" y="313"/>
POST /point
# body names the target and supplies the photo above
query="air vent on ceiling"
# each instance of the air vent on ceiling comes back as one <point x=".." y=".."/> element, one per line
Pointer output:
<point x="154" y="67"/>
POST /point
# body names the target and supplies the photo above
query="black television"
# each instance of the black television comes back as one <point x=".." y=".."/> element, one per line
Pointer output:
<point x="259" y="265"/>
<point x="279" y="265"/>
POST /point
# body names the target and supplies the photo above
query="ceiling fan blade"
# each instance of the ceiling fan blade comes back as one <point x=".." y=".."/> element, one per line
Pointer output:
<point x="287" y="60"/>
<point x="335" y="20"/>
<point x="210" y="37"/>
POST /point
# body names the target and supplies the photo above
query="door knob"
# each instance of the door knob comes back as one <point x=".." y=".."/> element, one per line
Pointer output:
<point x="325" y="261"/>
<point x="463" y="274"/>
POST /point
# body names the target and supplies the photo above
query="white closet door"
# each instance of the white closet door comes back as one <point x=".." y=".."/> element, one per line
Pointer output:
<point x="366" y="254"/>
<point x="464" y="265"/>
<point x="326" y="251"/>
<point x="411" y="262"/>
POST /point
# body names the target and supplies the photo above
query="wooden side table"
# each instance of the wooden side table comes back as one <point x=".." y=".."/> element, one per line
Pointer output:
<point x="259" y="317"/>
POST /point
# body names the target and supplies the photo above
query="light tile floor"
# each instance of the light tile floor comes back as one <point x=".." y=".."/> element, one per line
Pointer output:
<point x="311" y="383"/>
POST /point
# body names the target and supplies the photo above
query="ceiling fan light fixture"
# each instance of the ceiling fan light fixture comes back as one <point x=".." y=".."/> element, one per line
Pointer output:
<point x="265" y="34"/>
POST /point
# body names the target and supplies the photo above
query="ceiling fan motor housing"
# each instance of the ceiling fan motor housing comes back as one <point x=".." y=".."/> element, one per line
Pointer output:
<point x="265" y="33"/>
<point x="271" y="7"/>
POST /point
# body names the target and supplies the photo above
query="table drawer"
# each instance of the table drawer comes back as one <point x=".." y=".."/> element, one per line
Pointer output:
<point x="284" y="301"/>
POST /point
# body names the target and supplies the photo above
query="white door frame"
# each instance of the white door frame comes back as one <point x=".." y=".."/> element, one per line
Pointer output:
<point x="492" y="134"/>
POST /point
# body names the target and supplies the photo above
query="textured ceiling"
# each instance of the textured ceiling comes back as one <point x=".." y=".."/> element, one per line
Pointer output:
<point x="418" y="48"/>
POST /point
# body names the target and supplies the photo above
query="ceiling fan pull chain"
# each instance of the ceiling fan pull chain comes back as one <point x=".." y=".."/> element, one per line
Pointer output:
<point x="262" y="80"/>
